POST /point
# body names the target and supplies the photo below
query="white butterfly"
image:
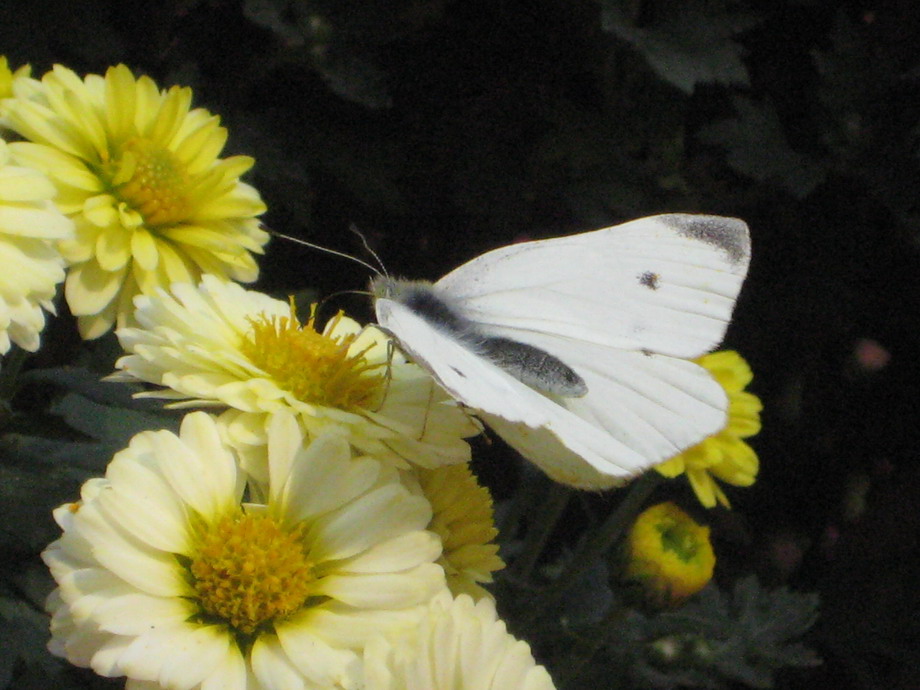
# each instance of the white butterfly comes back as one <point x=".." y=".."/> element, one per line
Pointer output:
<point x="575" y="349"/>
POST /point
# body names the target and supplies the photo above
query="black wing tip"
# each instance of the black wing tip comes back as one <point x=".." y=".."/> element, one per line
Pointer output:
<point x="731" y="235"/>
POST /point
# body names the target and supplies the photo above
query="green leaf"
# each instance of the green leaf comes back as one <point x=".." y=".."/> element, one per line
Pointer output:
<point x="111" y="425"/>
<point x="717" y="638"/>
<point x="25" y="632"/>
<point x="280" y="16"/>
<point x="687" y="45"/>
<point x="355" y="78"/>
<point x="36" y="476"/>
<point x="90" y="384"/>
<point x="756" y="147"/>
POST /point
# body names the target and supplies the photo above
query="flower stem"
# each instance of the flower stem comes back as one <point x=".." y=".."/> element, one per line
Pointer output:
<point x="9" y="372"/>
<point x="597" y="544"/>
<point x="545" y="520"/>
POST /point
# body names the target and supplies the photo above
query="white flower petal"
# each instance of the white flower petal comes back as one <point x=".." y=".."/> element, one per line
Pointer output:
<point x="324" y="478"/>
<point x="385" y="512"/>
<point x="402" y="552"/>
<point x="385" y="590"/>
<point x="135" y="613"/>
<point x="90" y="288"/>
<point x="206" y="480"/>
<point x="322" y="664"/>
<point x="272" y="667"/>
<point x="145" y="506"/>
<point x="197" y="656"/>
<point x="150" y="571"/>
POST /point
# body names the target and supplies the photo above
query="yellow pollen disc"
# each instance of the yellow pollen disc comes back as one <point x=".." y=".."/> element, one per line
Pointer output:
<point x="152" y="181"/>
<point x="678" y="539"/>
<point x="248" y="571"/>
<point x="316" y="368"/>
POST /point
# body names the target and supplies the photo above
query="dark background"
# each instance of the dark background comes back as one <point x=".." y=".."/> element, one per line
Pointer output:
<point x="444" y="128"/>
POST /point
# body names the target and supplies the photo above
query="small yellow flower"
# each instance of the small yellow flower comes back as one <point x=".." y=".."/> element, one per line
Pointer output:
<point x="463" y="519"/>
<point x="724" y="456"/>
<point x="220" y="345"/>
<point x="32" y="267"/>
<point x="138" y="171"/>
<point x="668" y="555"/>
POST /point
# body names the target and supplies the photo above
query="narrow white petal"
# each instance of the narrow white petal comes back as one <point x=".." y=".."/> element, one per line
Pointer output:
<point x="272" y="667"/>
<point x="201" y="481"/>
<point x="135" y="613"/>
<point x="399" y="590"/>
<point x="196" y="656"/>
<point x="285" y="444"/>
<point x="321" y="663"/>
<point x="399" y="553"/>
<point x="150" y="571"/>
<point x="383" y="513"/>
<point x="142" y="504"/>
<point x="326" y="477"/>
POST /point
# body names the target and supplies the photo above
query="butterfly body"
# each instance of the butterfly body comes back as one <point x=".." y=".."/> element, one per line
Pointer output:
<point x="526" y="363"/>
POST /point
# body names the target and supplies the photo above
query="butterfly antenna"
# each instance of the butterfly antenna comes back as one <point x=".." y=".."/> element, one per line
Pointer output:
<point x="325" y="300"/>
<point x="318" y="247"/>
<point x="367" y="248"/>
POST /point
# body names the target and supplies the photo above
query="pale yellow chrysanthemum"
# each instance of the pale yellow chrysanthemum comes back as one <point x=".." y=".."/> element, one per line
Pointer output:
<point x="168" y="576"/>
<point x="724" y="456"/>
<point x="138" y="171"/>
<point x="667" y="555"/>
<point x="464" y="520"/>
<point x="459" y="645"/>
<point x="8" y="77"/>
<point x="218" y="344"/>
<point x="32" y="266"/>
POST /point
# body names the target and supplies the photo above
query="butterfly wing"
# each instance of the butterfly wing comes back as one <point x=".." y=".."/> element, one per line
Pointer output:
<point x="640" y="409"/>
<point x="484" y="387"/>
<point x="665" y="284"/>
<point x="653" y="406"/>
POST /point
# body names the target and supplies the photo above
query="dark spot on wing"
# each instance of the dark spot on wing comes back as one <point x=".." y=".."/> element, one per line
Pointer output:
<point x="728" y="234"/>
<point x="647" y="353"/>
<point x="458" y="372"/>
<point x="649" y="280"/>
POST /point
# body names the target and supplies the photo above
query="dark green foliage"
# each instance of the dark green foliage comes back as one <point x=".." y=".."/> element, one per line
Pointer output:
<point x="685" y="43"/>
<point x="745" y="636"/>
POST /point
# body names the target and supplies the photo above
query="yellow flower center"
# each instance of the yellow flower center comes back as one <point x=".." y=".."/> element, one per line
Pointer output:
<point x="680" y="538"/>
<point x="316" y="368"/>
<point x="248" y="571"/>
<point x="152" y="181"/>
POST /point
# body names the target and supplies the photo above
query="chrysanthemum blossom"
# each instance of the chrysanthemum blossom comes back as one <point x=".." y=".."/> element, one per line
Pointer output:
<point x="723" y="456"/>
<point x="459" y="645"/>
<point x="138" y="171"/>
<point x="30" y="225"/>
<point x="463" y="518"/>
<point x="167" y="576"/>
<point x="667" y="555"/>
<point x="220" y="345"/>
